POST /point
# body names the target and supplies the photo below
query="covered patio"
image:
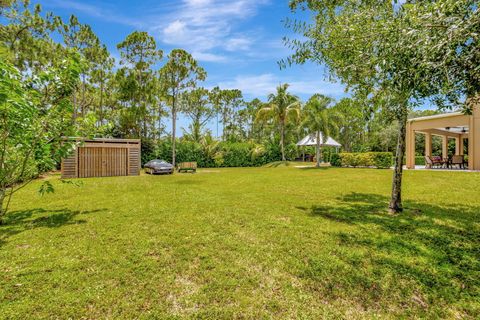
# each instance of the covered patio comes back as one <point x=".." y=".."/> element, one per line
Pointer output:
<point x="464" y="129"/>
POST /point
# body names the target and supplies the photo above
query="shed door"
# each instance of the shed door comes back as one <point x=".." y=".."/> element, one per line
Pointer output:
<point x="102" y="162"/>
<point x="114" y="162"/>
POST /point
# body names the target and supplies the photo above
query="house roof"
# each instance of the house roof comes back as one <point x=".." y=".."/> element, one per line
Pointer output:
<point x="437" y="116"/>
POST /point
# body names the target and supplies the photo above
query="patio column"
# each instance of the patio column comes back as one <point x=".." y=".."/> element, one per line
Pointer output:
<point x="410" y="147"/>
<point x="474" y="140"/>
<point x="428" y="144"/>
<point x="444" y="147"/>
<point x="459" y="145"/>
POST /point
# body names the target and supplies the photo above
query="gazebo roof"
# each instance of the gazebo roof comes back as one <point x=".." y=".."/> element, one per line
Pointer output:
<point x="311" y="140"/>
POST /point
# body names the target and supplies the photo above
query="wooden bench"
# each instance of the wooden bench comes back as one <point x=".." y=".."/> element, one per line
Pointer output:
<point x="187" y="166"/>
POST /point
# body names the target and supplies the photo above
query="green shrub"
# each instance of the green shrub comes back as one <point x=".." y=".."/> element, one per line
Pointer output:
<point x="218" y="159"/>
<point x="291" y="151"/>
<point x="349" y="159"/>
<point x="226" y="154"/>
<point x="382" y="160"/>
<point x="336" y="160"/>
<point x="190" y="151"/>
<point x="236" y="154"/>
<point x="148" y="149"/>
<point x="366" y="159"/>
<point x="420" y="160"/>
<point x="327" y="153"/>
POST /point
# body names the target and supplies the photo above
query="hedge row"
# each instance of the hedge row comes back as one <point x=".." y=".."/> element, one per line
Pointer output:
<point x="419" y="160"/>
<point x="379" y="160"/>
<point x="221" y="155"/>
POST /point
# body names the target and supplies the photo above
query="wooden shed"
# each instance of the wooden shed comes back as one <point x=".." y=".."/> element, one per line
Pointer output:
<point x="103" y="158"/>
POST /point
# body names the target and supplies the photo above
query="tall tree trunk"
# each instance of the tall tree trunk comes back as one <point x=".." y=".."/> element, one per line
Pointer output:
<point x="217" y="125"/>
<point x="159" y="122"/>
<point x="396" y="199"/>
<point x="318" y="149"/>
<point x="83" y="94"/>
<point x="224" y="117"/>
<point x="145" y="129"/>
<point x="100" y="107"/>
<point x="2" y="209"/>
<point x="74" y="102"/>
<point x="174" y="129"/>
<point x="282" y="141"/>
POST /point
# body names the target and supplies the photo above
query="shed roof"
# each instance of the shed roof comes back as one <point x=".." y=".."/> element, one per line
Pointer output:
<point x="110" y="140"/>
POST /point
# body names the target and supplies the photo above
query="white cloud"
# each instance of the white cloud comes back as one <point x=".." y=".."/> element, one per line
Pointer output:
<point x="107" y="14"/>
<point x="204" y="25"/>
<point x="198" y="3"/>
<point x="264" y="84"/>
<point x="175" y="29"/>
<point x="241" y="43"/>
<point x="208" y="57"/>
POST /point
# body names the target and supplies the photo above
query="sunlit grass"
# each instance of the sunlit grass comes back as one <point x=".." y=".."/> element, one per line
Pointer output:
<point x="279" y="242"/>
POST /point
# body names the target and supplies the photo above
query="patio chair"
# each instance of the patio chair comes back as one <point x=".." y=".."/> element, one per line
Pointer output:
<point x="458" y="160"/>
<point x="431" y="162"/>
<point x="438" y="161"/>
<point x="428" y="163"/>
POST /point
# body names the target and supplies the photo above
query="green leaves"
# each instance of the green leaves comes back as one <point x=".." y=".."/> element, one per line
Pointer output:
<point x="46" y="187"/>
<point x="181" y="72"/>
<point x="282" y="108"/>
<point x="318" y="117"/>
<point x="139" y="50"/>
<point x="32" y="123"/>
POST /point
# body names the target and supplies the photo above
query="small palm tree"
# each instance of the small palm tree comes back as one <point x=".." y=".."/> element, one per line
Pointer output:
<point x="319" y="118"/>
<point x="282" y="107"/>
<point x="209" y="145"/>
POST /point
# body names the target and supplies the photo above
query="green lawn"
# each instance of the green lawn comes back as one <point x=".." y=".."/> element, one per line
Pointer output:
<point x="252" y="243"/>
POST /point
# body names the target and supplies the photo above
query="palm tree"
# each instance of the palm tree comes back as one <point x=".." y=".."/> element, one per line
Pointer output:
<point x="319" y="118"/>
<point x="282" y="107"/>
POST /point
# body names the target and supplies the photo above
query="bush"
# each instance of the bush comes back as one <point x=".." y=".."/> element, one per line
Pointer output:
<point x="336" y="160"/>
<point x="349" y="159"/>
<point x="365" y="159"/>
<point x="236" y="154"/>
<point x="382" y="160"/>
<point x="327" y="153"/>
<point x="291" y="151"/>
<point x="379" y="160"/>
<point x="190" y="151"/>
<point x="148" y="150"/>
<point x="419" y="160"/>
<point x="218" y="159"/>
<point x="226" y="154"/>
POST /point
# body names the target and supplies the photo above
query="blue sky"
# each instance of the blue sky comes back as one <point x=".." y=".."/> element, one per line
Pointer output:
<point x="238" y="42"/>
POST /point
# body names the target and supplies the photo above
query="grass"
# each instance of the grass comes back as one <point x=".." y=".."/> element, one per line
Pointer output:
<point x="252" y="243"/>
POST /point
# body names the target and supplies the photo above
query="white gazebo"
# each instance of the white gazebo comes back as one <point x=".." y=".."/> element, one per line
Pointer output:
<point x="311" y="140"/>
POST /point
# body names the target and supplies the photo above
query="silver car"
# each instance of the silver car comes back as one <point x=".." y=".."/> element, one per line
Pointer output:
<point x="158" y="166"/>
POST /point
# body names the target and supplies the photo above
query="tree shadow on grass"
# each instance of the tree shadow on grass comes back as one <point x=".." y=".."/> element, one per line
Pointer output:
<point x="426" y="258"/>
<point x="23" y="220"/>
<point x="314" y="168"/>
<point x="277" y="164"/>
<point x="189" y="182"/>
